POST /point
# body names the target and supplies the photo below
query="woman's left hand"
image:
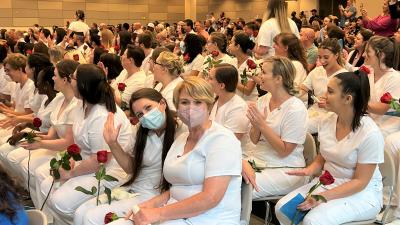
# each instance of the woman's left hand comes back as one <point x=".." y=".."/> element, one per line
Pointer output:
<point x="255" y="116"/>
<point x="308" y="204"/>
<point x="147" y="216"/>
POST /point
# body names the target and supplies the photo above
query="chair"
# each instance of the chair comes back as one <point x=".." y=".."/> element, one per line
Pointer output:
<point x="247" y="196"/>
<point x="388" y="171"/>
<point x="36" y="217"/>
<point x="309" y="152"/>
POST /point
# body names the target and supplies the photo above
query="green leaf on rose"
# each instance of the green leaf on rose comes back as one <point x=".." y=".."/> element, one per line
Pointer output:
<point x="109" y="178"/>
<point x="66" y="166"/>
<point x="108" y="193"/>
<point x="319" y="198"/>
<point x="83" y="190"/>
<point x="77" y="157"/>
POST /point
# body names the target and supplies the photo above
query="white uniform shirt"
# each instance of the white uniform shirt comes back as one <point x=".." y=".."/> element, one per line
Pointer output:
<point x="217" y="153"/>
<point x="133" y="83"/>
<point x="289" y="122"/>
<point x="146" y="65"/>
<point x="7" y="86"/>
<point x="301" y="74"/>
<point x="168" y="91"/>
<point x="79" y="26"/>
<point x="254" y="94"/>
<point x="269" y="29"/>
<point x="35" y="101"/>
<point x="88" y="132"/>
<point x="149" y="179"/>
<point x="232" y="115"/>
<point x="225" y="59"/>
<point x="365" y="145"/>
<point x="20" y="96"/>
<point x="389" y="82"/>
<point x="196" y="65"/>
<point x="44" y="111"/>
<point x="60" y="121"/>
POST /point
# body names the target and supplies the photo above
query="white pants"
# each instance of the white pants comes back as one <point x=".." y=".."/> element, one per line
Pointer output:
<point x="171" y="222"/>
<point x="5" y="149"/>
<point x="392" y="145"/>
<point x="90" y="214"/>
<point x="64" y="201"/>
<point x="276" y="182"/>
<point x="363" y="205"/>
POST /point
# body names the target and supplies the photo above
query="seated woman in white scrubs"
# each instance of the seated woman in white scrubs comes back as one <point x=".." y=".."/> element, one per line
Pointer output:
<point x="288" y="45"/>
<point x="239" y="47"/>
<point x="89" y="84"/>
<point x="132" y="75"/>
<point x="380" y="56"/>
<point x="192" y="54"/>
<point x="351" y="147"/>
<point x="329" y="55"/>
<point x="153" y="138"/>
<point x="230" y="109"/>
<point x="167" y="70"/>
<point x="216" y="50"/>
<point x="59" y="135"/>
<point x="279" y="126"/>
<point x="203" y="167"/>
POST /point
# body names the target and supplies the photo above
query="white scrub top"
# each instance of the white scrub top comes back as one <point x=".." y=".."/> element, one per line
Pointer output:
<point x="7" y="86"/>
<point x="196" y="65"/>
<point x="254" y="94"/>
<point x="389" y="82"/>
<point x="168" y="91"/>
<point x="35" y="101"/>
<point x="133" y="83"/>
<point x="217" y="153"/>
<point x="45" y="111"/>
<point x="365" y="146"/>
<point x="20" y="96"/>
<point x="88" y="132"/>
<point x="289" y="122"/>
<point x="66" y="117"/>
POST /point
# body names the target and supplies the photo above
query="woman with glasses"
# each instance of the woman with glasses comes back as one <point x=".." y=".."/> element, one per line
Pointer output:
<point x="167" y="70"/>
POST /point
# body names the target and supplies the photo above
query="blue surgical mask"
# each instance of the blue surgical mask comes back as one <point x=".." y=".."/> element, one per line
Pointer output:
<point x="153" y="120"/>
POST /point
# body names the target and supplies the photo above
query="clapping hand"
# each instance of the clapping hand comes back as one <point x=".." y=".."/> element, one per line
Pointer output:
<point x="255" y="117"/>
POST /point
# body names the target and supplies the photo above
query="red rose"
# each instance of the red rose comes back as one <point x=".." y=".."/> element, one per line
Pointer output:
<point x="134" y="120"/>
<point x="110" y="217"/>
<point x="37" y="122"/>
<point x="121" y="86"/>
<point x="116" y="48"/>
<point x="364" y="69"/>
<point x="215" y="53"/>
<point x="326" y="178"/>
<point x="251" y="64"/>
<point x="102" y="156"/>
<point x="73" y="149"/>
<point x="76" y="57"/>
<point x="28" y="52"/>
<point x="186" y="57"/>
<point x="386" y="98"/>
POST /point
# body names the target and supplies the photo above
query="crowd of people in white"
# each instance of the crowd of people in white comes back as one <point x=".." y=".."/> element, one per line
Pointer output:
<point x="187" y="111"/>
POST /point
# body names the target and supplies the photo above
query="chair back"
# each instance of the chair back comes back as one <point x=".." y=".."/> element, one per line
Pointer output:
<point x="247" y="199"/>
<point x="388" y="170"/>
<point x="36" y="217"/>
<point x="310" y="150"/>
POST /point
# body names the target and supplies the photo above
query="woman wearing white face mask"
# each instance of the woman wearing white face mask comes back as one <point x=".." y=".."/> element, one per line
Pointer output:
<point x="144" y="162"/>
<point x="203" y="167"/>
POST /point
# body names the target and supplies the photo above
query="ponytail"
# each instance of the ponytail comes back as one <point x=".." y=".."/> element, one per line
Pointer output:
<point x="107" y="95"/>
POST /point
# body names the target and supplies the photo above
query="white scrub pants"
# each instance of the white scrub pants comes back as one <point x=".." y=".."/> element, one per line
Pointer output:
<point x="64" y="201"/>
<point x="276" y="182"/>
<point x="90" y="214"/>
<point x="392" y="145"/>
<point x="363" y="205"/>
<point x="5" y="149"/>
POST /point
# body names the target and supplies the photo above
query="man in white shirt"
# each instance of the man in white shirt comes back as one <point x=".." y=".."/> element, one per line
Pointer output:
<point x="145" y="41"/>
<point x="82" y="47"/>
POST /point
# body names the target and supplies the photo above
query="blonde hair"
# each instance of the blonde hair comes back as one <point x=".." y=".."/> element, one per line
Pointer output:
<point x="283" y="67"/>
<point x="277" y="9"/>
<point x="16" y="61"/>
<point x="172" y="62"/>
<point x="56" y="54"/>
<point x="197" y="88"/>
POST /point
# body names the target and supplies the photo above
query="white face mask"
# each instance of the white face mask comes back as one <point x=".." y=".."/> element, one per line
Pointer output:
<point x="192" y="116"/>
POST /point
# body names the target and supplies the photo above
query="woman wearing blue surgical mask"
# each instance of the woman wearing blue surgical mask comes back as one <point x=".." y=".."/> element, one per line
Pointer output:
<point x="154" y="135"/>
<point x="203" y="167"/>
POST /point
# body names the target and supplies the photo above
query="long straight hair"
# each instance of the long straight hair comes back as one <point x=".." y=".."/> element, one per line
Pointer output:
<point x="277" y="9"/>
<point x="142" y="134"/>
